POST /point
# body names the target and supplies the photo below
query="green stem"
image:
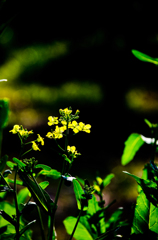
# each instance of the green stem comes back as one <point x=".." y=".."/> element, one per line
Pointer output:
<point x="16" y="206"/>
<point x="52" y="217"/>
<point x="41" y="224"/>
<point x="76" y="224"/>
<point x="1" y="136"/>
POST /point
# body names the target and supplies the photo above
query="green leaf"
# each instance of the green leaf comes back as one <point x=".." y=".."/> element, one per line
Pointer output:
<point x="44" y="184"/>
<point x="148" y="123"/>
<point x="40" y="196"/>
<point x="22" y="195"/>
<point x="3" y="161"/>
<point x="52" y="173"/>
<point x="148" y="187"/>
<point x="17" y="181"/>
<point x="10" y="164"/>
<point x="81" y="232"/>
<point x="26" y="227"/>
<point x="132" y="145"/>
<point x="107" y="180"/>
<point x="44" y="167"/>
<point x="19" y="163"/>
<point x="4" y="112"/>
<point x="78" y="193"/>
<point x="143" y="57"/>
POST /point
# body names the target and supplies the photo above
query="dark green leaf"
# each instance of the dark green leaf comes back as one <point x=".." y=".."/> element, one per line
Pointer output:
<point x="148" y="187"/>
<point x="44" y="167"/>
<point x="6" y="173"/>
<point x="26" y="227"/>
<point x="22" y="195"/>
<point x="132" y="145"/>
<point x="3" y="161"/>
<point x="143" y="57"/>
<point x="81" y="232"/>
<point x="40" y="196"/>
<point x="4" y="112"/>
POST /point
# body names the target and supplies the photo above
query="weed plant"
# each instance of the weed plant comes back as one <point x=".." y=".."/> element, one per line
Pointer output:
<point x="91" y="222"/>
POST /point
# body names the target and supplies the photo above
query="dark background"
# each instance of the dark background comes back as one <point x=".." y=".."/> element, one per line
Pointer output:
<point x="99" y="39"/>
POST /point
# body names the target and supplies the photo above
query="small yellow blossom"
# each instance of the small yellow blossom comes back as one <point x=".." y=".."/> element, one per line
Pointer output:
<point x="15" y="129"/>
<point x="50" y="135"/>
<point x="85" y="128"/>
<point x="52" y="120"/>
<point x="74" y="125"/>
<point x="25" y="133"/>
<point x="40" y="139"/>
<point x="58" y="133"/>
<point x="72" y="150"/>
<point x="34" y="146"/>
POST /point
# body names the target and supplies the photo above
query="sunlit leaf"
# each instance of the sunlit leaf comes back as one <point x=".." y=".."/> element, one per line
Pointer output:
<point x="19" y="162"/>
<point x="52" y="173"/>
<point x="44" y="167"/>
<point x="132" y="145"/>
<point x="44" y="184"/>
<point x="10" y="164"/>
<point x="78" y="193"/>
<point x="81" y="232"/>
<point x="148" y="123"/>
<point x="143" y="57"/>
<point x="107" y="179"/>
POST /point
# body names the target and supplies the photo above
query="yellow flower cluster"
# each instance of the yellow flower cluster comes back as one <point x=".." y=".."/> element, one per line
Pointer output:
<point x="24" y="134"/>
<point x="73" y="151"/>
<point x="66" y="120"/>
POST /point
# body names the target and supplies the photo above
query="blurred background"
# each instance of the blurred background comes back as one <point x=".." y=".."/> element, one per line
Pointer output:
<point x="57" y="55"/>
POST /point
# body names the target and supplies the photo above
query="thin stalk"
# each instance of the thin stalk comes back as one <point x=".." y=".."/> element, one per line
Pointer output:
<point x="16" y="207"/>
<point x="1" y="136"/>
<point x="52" y="216"/>
<point x="41" y="224"/>
<point x="76" y="224"/>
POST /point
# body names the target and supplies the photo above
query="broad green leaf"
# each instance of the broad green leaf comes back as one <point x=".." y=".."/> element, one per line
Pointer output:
<point x="52" y="173"/>
<point x="78" y="193"/>
<point x="3" y="161"/>
<point x="107" y="180"/>
<point x="149" y="188"/>
<point x="81" y="232"/>
<point x="153" y="218"/>
<point x="40" y="196"/>
<point x="8" y="208"/>
<point x="4" y="112"/>
<point x="44" y="167"/>
<point x="132" y="145"/>
<point x="19" y="163"/>
<point x="115" y="218"/>
<point x="143" y="57"/>
<point x="141" y="214"/>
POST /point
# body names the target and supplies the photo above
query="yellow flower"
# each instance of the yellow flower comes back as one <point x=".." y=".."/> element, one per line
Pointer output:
<point x="65" y="111"/>
<point x="34" y="146"/>
<point x="72" y="150"/>
<point x="25" y="133"/>
<point x="52" y="120"/>
<point x="15" y="129"/>
<point x="58" y="133"/>
<point x="74" y="125"/>
<point x="40" y="139"/>
<point x="50" y="135"/>
<point x="85" y="128"/>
